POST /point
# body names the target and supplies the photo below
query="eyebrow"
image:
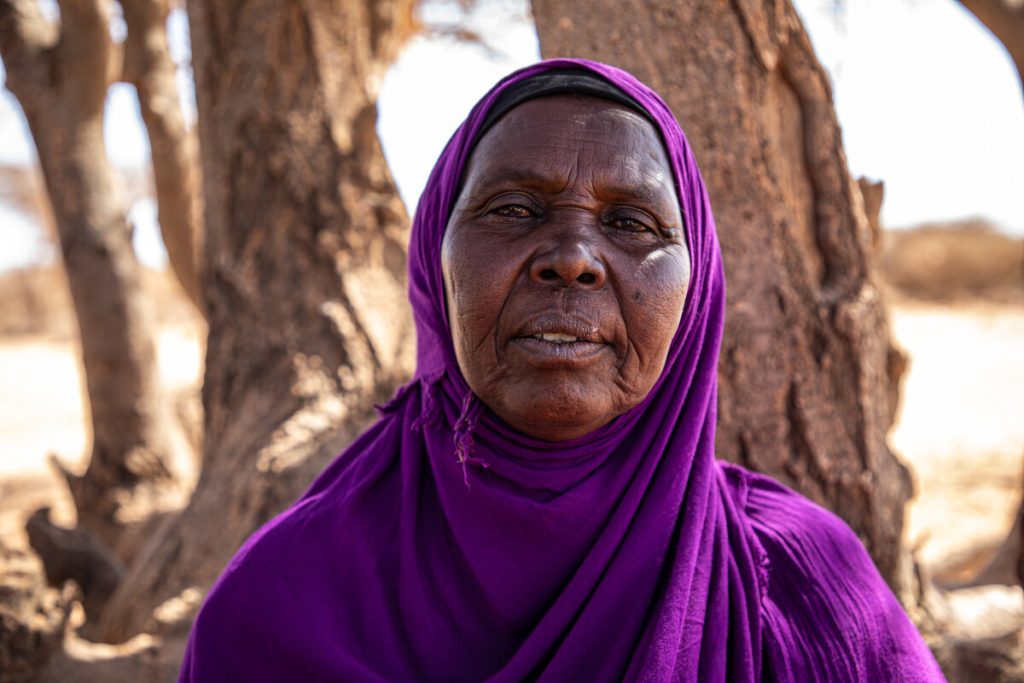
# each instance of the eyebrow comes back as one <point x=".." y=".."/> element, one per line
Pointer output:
<point x="644" y="191"/>
<point x="647" y="193"/>
<point x="522" y="176"/>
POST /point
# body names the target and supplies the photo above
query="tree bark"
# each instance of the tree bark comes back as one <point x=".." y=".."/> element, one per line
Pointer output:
<point x="1005" y="19"/>
<point x="178" y="178"/>
<point x="32" y="616"/>
<point x="304" y="277"/>
<point x="60" y="76"/>
<point x="74" y="555"/>
<point x="803" y="377"/>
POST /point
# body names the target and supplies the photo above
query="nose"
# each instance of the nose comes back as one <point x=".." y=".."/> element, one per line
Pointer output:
<point x="570" y="260"/>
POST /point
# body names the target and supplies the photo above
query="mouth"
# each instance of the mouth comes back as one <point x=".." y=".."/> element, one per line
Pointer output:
<point x="559" y="341"/>
<point x="557" y="338"/>
<point x="559" y="328"/>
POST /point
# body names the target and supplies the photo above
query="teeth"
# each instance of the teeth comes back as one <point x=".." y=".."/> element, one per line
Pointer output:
<point x="556" y="337"/>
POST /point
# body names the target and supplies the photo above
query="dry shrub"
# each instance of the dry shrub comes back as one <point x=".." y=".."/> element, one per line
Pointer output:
<point x="954" y="261"/>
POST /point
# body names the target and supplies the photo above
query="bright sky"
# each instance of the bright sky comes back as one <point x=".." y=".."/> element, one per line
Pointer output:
<point x="928" y="100"/>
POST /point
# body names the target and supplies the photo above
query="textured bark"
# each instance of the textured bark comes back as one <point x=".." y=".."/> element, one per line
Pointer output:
<point x="75" y="555"/>
<point x="32" y="616"/>
<point x="178" y="179"/>
<point x="304" y="276"/>
<point x="896" y="361"/>
<point x="804" y="378"/>
<point x="872" y="194"/>
<point x="1005" y="19"/>
<point x="60" y="76"/>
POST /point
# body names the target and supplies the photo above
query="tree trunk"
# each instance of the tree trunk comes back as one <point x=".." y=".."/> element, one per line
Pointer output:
<point x="304" y="277"/>
<point x="60" y="77"/>
<point x="174" y="149"/>
<point x="1005" y="19"/>
<point x="803" y="377"/>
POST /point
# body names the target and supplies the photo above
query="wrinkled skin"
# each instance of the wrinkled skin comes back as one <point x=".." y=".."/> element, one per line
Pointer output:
<point x="567" y="226"/>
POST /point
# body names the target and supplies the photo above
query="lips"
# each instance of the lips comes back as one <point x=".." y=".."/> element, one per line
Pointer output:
<point x="556" y="337"/>
<point x="555" y="340"/>
<point x="560" y="329"/>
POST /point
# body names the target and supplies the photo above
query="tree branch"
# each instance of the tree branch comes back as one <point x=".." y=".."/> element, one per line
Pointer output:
<point x="26" y="38"/>
<point x="176" y="171"/>
<point x="84" y="53"/>
<point x="1005" y="19"/>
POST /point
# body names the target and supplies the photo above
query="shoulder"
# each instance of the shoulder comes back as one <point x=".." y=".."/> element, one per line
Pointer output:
<point x="787" y="522"/>
<point x="800" y="535"/>
<point x="825" y="606"/>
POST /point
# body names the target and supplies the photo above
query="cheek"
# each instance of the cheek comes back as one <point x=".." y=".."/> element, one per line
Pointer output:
<point x="474" y="289"/>
<point x="652" y="311"/>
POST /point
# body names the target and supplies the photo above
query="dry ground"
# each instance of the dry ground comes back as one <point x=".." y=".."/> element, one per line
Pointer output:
<point x="961" y="427"/>
<point x="42" y="412"/>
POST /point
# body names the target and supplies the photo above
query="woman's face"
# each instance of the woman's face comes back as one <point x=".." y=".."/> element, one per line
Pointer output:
<point x="565" y="265"/>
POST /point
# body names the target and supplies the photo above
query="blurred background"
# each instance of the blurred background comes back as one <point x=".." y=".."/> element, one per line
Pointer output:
<point x="929" y="104"/>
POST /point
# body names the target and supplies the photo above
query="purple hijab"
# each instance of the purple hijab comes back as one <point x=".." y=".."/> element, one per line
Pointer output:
<point x="443" y="545"/>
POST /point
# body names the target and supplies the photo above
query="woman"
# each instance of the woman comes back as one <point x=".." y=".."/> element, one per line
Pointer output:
<point x="541" y="502"/>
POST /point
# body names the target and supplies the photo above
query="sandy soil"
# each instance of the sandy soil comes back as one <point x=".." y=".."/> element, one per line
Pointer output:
<point x="961" y="425"/>
<point x="43" y="413"/>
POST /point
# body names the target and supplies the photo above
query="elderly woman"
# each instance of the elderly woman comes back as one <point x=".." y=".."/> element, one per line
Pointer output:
<point x="541" y="502"/>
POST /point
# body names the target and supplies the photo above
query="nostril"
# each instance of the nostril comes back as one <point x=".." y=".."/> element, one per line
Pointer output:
<point x="548" y="274"/>
<point x="586" y="278"/>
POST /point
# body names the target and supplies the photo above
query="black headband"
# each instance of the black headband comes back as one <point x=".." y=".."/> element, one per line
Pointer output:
<point x="558" y="82"/>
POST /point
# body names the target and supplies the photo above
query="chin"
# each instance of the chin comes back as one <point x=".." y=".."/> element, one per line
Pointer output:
<point x="555" y="420"/>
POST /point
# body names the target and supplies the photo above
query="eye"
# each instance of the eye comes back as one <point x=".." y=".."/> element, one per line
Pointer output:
<point x="513" y="211"/>
<point x="632" y="222"/>
<point x="512" y="205"/>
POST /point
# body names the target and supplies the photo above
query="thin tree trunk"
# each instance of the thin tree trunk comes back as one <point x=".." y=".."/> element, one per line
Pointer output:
<point x="804" y="378"/>
<point x="60" y="77"/>
<point x="178" y="179"/>
<point x="304" y="278"/>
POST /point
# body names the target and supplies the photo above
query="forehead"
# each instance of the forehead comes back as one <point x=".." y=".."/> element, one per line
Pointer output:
<point x="553" y="133"/>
